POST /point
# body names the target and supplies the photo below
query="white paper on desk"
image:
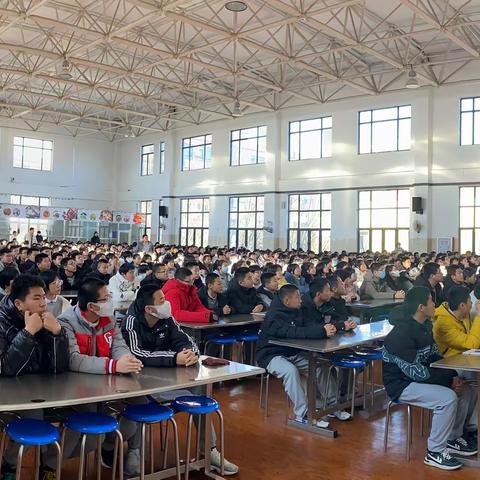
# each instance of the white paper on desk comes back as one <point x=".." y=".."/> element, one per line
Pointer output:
<point x="473" y="351"/>
<point x="259" y="314"/>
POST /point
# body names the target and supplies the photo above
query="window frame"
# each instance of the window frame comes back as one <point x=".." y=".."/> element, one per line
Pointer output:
<point x="207" y="163"/>
<point x="143" y="207"/>
<point x="371" y="122"/>
<point x="161" y="155"/>
<point x="475" y="227"/>
<point x="205" y="230"/>
<point x="258" y="231"/>
<point x="146" y="158"/>
<point x="321" y="131"/>
<point x="234" y="142"/>
<point x="23" y="147"/>
<point x="473" y="111"/>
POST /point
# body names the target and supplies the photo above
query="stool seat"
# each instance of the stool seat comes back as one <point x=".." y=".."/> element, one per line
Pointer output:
<point x="28" y="431"/>
<point x="247" y="337"/>
<point x="147" y="413"/>
<point x="91" y="423"/>
<point x="347" y="361"/>
<point x="195" y="404"/>
<point x="222" y="339"/>
<point x="368" y="353"/>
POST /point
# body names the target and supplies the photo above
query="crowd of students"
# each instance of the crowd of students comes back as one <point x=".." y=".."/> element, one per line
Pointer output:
<point x="304" y="295"/>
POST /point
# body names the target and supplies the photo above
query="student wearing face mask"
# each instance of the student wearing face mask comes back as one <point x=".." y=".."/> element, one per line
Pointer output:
<point x="375" y="287"/>
<point x="221" y="269"/>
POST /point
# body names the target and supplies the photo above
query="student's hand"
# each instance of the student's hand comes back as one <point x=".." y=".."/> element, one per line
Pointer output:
<point x="50" y="323"/>
<point x="399" y="295"/>
<point x="186" y="357"/>
<point x="129" y="364"/>
<point x="350" y="325"/>
<point x="257" y="309"/>
<point x="458" y="384"/>
<point x="33" y="322"/>
<point x="227" y="310"/>
<point x="330" y="329"/>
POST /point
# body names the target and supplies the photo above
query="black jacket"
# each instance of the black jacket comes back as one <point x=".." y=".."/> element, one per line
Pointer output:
<point x="447" y="286"/>
<point x="325" y="314"/>
<point x="340" y="307"/>
<point x="157" y="346"/>
<point x="264" y="296"/>
<point x="241" y="299"/>
<point x="437" y="292"/>
<point x="66" y="284"/>
<point x="151" y="279"/>
<point x="408" y="351"/>
<point x="283" y="322"/>
<point x="22" y="353"/>
<point x="222" y="300"/>
<point x="27" y="266"/>
<point x="104" y="277"/>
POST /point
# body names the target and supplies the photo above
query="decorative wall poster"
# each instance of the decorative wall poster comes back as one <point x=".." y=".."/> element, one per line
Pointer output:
<point x="444" y="244"/>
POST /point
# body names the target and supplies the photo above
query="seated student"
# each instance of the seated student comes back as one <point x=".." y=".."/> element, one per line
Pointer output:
<point x="67" y="274"/>
<point x="31" y="341"/>
<point x="256" y="274"/>
<point x="221" y="269"/>
<point x="469" y="278"/>
<point x="101" y="270"/>
<point x="474" y="297"/>
<point x="308" y="272"/>
<point x="56" y="304"/>
<point x="7" y="276"/>
<point x="157" y="277"/>
<point x="57" y="258"/>
<point x="42" y="264"/>
<point x="195" y="269"/>
<point x="96" y="345"/>
<point x="374" y="285"/>
<point x="404" y="281"/>
<point x="212" y="297"/>
<point x="454" y="278"/>
<point x="29" y="263"/>
<point x="284" y="319"/>
<point x="268" y="289"/>
<point x="337" y="286"/>
<point x="183" y="297"/>
<point x="157" y="340"/>
<point x="293" y="275"/>
<point x="278" y="271"/>
<point x="430" y="277"/>
<point x="349" y="279"/>
<point x="22" y="257"/>
<point x="83" y="269"/>
<point x="453" y="330"/>
<point x="7" y="259"/>
<point x="122" y="286"/>
<point x="408" y="351"/>
<point x="242" y="295"/>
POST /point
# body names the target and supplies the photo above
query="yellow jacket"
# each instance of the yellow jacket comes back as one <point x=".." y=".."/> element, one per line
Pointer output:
<point x="454" y="336"/>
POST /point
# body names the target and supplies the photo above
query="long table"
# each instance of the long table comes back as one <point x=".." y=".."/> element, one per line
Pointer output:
<point x="365" y="309"/>
<point x="469" y="363"/>
<point x="67" y="389"/>
<point x="363" y="334"/>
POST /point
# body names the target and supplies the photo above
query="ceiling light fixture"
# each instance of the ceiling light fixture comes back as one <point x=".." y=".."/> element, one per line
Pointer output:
<point x="237" y="111"/>
<point x="64" y="70"/>
<point x="236" y="6"/>
<point x="412" y="81"/>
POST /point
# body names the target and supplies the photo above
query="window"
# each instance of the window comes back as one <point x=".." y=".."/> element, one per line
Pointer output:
<point x="470" y="219"/>
<point x="148" y="156"/>
<point x="248" y="146"/>
<point x="197" y="152"/>
<point x="146" y="210"/>
<point x="194" y="221"/>
<point x="309" y="221"/>
<point x="162" y="157"/>
<point x="470" y="121"/>
<point x="21" y="225"/>
<point x="383" y="220"/>
<point x="32" y="153"/>
<point x="310" y="139"/>
<point x="384" y="130"/>
<point x="246" y="222"/>
<point x="28" y="200"/>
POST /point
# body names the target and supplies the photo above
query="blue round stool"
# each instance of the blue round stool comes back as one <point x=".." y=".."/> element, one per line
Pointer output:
<point x="353" y="365"/>
<point x="369" y="355"/>
<point x="221" y="340"/>
<point x="98" y="424"/>
<point x="32" y="432"/>
<point x="150" y="414"/>
<point x="250" y="338"/>
<point x="200" y="405"/>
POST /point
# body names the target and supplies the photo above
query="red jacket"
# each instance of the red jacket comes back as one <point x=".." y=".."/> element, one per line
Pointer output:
<point x="186" y="306"/>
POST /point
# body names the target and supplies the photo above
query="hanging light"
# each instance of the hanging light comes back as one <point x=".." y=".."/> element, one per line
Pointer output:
<point x="237" y="110"/>
<point x="236" y="6"/>
<point x="412" y="81"/>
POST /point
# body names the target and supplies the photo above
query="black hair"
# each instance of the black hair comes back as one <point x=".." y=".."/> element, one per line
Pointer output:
<point x="189" y="264"/>
<point x="102" y="260"/>
<point x="286" y="291"/>
<point x="241" y="273"/>
<point x="88" y="291"/>
<point x="429" y="269"/>
<point x="182" y="274"/>
<point x="22" y="284"/>
<point x="5" y="251"/>
<point x="125" y="268"/>
<point x="254" y="268"/>
<point x="56" y="255"/>
<point x="318" y="286"/>
<point x="267" y="277"/>
<point x="31" y="250"/>
<point x="452" y="269"/>
<point x="145" y="296"/>
<point x="210" y="278"/>
<point x="456" y="296"/>
<point x="7" y="275"/>
<point x="332" y="279"/>
<point x="48" y="277"/>
<point x="40" y="257"/>
<point x="292" y="267"/>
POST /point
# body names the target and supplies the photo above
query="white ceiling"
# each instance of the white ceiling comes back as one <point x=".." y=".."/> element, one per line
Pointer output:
<point x="139" y="66"/>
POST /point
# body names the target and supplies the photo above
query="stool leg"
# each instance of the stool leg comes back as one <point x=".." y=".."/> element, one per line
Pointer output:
<point x="37" y="462"/>
<point x="371" y="367"/>
<point x="199" y="433"/>
<point x="189" y="439"/>
<point x="222" y="442"/>
<point x="422" y="421"/>
<point x="222" y="351"/>
<point x="352" y="412"/>
<point x="409" y="431"/>
<point x="261" y="404"/>
<point x="387" y="422"/>
<point x="99" y="457"/>
<point x="119" y="455"/>
<point x="267" y="384"/>
<point x="327" y="389"/>
<point x="177" y="451"/>
<point x="18" y="472"/>
<point x="2" y="449"/>
<point x="152" y="449"/>
<point x="165" y="447"/>
<point x="142" y="452"/>
<point x="59" y="460"/>
<point x="82" y="457"/>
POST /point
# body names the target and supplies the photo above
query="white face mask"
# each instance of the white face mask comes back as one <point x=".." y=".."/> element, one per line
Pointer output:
<point x="129" y="259"/>
<point x="141" y="276"/>
<point x="163" y="311"/>
<point x="106" y="309"/>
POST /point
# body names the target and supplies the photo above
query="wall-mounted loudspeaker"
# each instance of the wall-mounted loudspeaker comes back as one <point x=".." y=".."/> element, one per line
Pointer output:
<point x="163" y="211"/>
<point x="417" y="205"/>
